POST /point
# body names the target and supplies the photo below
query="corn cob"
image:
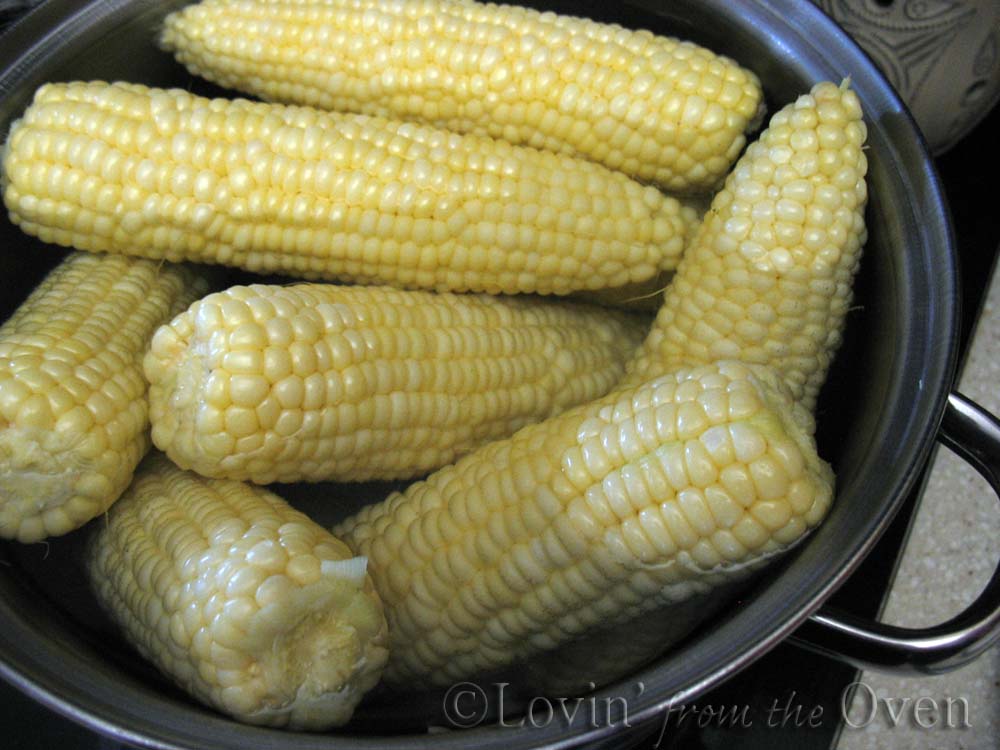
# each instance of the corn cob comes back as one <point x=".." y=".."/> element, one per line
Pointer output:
<point x="73" y="412"/>
<point x="646" y="497"/>
<point x="767" y="279"/>
<point x="240" y="599"/>
<point x="315" y="381"/>
<point x="656" y="108"/>
<point x="123" y="168"/>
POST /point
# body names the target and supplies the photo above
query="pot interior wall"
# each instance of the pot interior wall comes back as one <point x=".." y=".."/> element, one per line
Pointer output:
<point x="875" y="414"/>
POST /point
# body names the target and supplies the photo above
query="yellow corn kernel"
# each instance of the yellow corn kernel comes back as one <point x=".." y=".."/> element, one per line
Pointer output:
<point x="586" y="520"/>
<point x="656" y="108"/>
<point x="321" y="195"/>
<point x="767" y="278"/>
<point x="73" y="412"/>
<point x="243" y="601"/>
<point x="398" y="382"/>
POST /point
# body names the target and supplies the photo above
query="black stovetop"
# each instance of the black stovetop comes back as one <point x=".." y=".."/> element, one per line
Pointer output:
<point x="787" y="676"/>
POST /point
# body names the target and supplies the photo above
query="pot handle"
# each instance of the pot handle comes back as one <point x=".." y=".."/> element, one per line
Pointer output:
<point x="973" y="434"/>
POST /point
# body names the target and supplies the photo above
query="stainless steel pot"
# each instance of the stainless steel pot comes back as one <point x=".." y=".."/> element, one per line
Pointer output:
<point x="889" y="397"/>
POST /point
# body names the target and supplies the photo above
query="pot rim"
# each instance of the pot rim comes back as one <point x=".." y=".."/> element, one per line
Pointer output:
<point x="39" y="667"/>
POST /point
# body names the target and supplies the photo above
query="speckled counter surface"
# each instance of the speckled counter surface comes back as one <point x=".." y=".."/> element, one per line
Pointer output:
<point x="953" y="548"/>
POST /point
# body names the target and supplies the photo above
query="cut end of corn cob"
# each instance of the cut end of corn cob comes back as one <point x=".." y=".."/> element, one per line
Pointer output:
<point x="161" y="173"/>
<point x="316" y="382"/>
<point x="242" y="600"/>
<point x="73" y="411"/>
<point x="657" y="108"/>
<point x="318" y="669"/>
<point x="767" y="279"/>
<point x="647" y="497"/>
